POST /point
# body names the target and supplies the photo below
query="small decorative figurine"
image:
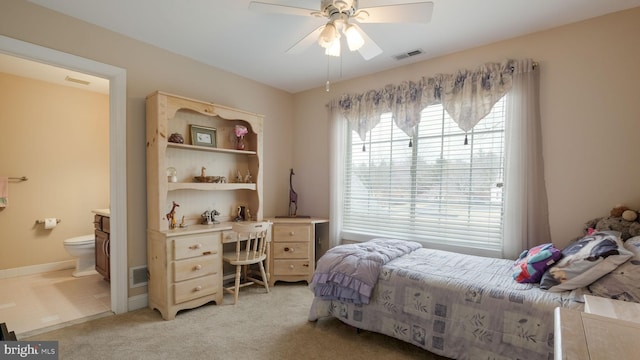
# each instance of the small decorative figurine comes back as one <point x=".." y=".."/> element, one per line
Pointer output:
<point x="176" y="138"/>
<point x="214" y="213"/>
<point x="238" y="177"/>
<point x="209" y="217"/>
<point x="172" y="175"/>
<point x="242" y="213"/>
<point x="293" y="196"/>
<point x="183" y="224"/>
<point x="247" y="178"/>
<point x="203" y="172"/>
<point x="171" y="216"/>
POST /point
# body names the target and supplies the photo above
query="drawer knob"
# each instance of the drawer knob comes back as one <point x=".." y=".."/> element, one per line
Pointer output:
<point x="289" y="249"/>
<point x="196" y="246"/>
<point x="291" y="233"/>
<point x="197" y="267"/>
<point x="291" y="267"/>
<point x="305" y="265"/>
<point x="197" y="288"/>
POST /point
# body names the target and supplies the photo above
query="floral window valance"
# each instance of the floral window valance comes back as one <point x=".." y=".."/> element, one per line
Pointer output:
<point x="467" y="96"/>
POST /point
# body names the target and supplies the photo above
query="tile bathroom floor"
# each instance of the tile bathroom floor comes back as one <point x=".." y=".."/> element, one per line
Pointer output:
<point x="31" y="304"/>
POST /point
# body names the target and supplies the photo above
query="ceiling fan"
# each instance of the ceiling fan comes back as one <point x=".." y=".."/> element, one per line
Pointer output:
<point x="342" y="14"/>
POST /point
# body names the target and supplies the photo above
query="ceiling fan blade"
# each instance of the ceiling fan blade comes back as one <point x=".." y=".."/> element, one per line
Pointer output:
<point x="303" y="44"/>
<point x="370" y="49"/>
<point x="264" y="7"/>
<point x="416" y="12"/>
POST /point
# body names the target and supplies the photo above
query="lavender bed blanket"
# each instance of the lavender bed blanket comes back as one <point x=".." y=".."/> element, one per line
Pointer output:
<point x="349" y="272"/>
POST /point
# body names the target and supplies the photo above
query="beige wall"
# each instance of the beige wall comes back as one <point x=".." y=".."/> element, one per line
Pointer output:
<point x="590" y="116"/>
<point x="149" y="69"/>
<point x="590" y="89"/>
<point x="58" y="137"/>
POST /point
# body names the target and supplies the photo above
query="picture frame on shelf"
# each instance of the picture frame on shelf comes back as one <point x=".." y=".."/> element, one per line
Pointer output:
<point x="203" y="136"/>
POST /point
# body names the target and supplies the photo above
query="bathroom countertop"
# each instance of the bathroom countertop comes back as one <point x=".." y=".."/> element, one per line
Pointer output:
<point x="103" y="212"/>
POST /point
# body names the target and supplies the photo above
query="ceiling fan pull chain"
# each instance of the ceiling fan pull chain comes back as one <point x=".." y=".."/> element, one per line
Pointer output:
<point x="340" y="67"/>
<point x="327" y="85"/>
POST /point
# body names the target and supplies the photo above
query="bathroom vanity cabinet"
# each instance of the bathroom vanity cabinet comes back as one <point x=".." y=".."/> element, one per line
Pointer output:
<point x="102" y="252"/>
<point x="194" y="176"/>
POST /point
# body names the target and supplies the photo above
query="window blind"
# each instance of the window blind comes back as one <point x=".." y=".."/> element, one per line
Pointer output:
<point x="438" y="191"/>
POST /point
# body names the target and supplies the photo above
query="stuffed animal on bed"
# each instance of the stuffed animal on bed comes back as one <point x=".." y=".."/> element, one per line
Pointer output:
<point x="620" y="219"/>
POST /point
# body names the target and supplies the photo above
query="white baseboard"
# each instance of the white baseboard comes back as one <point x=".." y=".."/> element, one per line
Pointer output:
<point x="138" y="302"/>
<point x="36" y="269"/>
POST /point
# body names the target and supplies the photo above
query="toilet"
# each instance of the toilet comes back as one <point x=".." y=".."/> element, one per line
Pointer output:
<point x="83" y="248"/>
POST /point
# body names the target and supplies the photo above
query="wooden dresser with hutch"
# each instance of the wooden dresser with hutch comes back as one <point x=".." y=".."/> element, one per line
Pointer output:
<point x="185" y="263"/>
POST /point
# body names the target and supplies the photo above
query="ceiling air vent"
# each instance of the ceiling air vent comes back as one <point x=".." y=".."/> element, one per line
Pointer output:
<point x="408" y="54"/>
<point x="77" y="81"/>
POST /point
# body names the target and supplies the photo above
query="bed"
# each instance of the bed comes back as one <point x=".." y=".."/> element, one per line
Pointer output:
<point x="454" y="305"/>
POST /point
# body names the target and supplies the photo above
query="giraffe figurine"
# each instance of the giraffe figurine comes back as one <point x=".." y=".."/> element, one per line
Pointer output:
<point x="293" y="196"/>
<point x="171" y="216"/>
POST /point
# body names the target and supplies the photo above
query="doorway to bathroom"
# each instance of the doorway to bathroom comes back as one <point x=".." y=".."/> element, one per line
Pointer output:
<point x="117" y="150"/>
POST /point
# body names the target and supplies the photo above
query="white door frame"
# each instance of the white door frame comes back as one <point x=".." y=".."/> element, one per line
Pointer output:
<point x="117" y="149"/>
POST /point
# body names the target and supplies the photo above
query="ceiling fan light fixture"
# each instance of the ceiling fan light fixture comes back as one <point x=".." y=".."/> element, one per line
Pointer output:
<point x="334" y="48"/>
<point x="354" y="38"/>
<point x="339" y="14"/>
<point x="328" y="35"/>
<point x="343" y="5"/>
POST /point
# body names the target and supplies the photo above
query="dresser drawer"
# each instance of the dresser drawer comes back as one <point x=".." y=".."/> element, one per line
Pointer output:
<point x="229" y="236"/>
<point x="194" y="267"/>
<point x="294" y="250"/>
<point x="195" y="288"/>
<point x="291" y="267"/>
<point x="290" y="232"/>
<point x="195" y="245"/>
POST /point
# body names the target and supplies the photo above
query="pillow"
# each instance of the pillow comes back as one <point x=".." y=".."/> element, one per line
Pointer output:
<point x="623" y="283"/>
<point x="534" y="262"/>
<point x="585" y="261"/>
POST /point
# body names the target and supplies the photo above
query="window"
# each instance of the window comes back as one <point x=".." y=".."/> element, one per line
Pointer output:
<point x="439" y="191"/>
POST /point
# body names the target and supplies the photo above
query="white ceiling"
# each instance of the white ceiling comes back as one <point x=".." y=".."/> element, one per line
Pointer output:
<point x="227" y="35"/>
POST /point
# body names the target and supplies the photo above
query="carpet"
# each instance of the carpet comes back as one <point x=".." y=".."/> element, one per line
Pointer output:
<point x="260" y="326"/>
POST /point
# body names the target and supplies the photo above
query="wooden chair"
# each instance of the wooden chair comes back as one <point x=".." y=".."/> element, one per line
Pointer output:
<point x="252" y="240"/>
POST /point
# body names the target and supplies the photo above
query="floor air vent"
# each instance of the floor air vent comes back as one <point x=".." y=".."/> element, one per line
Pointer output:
<point x="408" y="54"/>
<point x="138" y="276"/>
